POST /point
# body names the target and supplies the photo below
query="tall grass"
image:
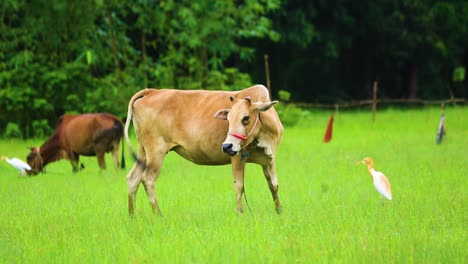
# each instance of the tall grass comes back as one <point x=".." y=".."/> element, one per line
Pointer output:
<point x="332" y="212"/>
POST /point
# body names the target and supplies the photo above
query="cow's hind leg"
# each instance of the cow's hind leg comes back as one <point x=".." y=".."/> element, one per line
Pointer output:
<point x="115" y="154"/>
<point x="150" y="176"/>
<point x="134" y="179"/>
<point x="156" y="150"/>
<point x="100" y="152"/>
<point x="270" y="175"/>
<point x="133" y="182"/>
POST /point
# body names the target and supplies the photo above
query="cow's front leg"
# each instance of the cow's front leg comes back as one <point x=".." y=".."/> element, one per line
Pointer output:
<point x="238" y="175"/>
<point x="74" y="160"/>
<point x="270" y="174"/>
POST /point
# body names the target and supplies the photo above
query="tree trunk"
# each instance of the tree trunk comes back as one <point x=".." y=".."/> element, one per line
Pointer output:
<point x="115" y="50"/>
<point x="143" y="57"/>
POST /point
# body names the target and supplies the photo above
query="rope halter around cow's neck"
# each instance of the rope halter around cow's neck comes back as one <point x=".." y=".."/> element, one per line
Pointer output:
<point x="246" y="137"/>
<point x="37" y="165"/>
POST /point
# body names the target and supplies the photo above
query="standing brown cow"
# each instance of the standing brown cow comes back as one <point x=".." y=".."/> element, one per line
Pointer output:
<point x="187" y="122"/>
<point x="75" y="135"/>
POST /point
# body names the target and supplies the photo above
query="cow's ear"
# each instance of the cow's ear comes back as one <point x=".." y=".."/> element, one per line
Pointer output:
<point x="32" y="148"/>
<point x="264" y="106"/>
<point x="222" y="114"/>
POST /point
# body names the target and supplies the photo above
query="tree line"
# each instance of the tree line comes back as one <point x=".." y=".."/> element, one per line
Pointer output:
<point x="68" y="56"/>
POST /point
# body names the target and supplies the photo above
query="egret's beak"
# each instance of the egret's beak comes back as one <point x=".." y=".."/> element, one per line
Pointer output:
<point x="361" y="162"/>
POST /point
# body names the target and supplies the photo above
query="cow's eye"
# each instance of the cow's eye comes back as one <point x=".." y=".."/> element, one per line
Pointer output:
<point x="245" y="119"/>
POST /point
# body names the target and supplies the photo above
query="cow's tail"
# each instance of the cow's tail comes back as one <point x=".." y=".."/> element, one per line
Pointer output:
<point x="122" y="159"/>
<point x="118" y="128"/>
<point x="135" y="97"/>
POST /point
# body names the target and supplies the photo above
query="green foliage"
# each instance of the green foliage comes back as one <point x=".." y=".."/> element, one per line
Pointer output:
<point x="289" y="114"/>
<point x="91" y="56"/>
<point x="229" y="79"/>
<point x="331" y="51"/>
<point x="59" y="56"/>
<point x="458" y="74"/>
<point x="41" y="128"/>
<point x="12" y="131"/>
<point x="284" y="95"/>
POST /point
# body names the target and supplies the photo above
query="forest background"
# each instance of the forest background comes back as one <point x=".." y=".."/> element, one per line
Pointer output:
<point x="68" y="56"/>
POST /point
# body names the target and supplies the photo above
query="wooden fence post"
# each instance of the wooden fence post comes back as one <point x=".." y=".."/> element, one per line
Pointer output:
<point x="267" y="74"/>
<point x="374" y="101"/>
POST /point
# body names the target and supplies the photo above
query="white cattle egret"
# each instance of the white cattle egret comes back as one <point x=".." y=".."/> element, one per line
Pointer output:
<point x="380" y="181"/>
<point x="17" y="163"/>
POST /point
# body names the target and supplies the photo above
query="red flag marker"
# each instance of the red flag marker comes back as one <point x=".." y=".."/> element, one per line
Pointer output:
<point x="328" y="133"/>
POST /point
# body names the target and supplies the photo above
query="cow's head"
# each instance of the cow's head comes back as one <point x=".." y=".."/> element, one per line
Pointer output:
<point x="35" y="161"/>
<point x="244" y="123"/>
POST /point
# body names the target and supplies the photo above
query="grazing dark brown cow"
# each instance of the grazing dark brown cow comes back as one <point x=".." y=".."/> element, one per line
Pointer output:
<point x="186" y="122"/>
<point x="75" y="135"/>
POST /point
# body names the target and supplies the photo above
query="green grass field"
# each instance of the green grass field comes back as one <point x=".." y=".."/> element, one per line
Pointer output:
<point x="331" y="214"/>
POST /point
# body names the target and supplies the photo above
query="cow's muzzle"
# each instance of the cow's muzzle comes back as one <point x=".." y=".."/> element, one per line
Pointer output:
<point x="227" y="148"/>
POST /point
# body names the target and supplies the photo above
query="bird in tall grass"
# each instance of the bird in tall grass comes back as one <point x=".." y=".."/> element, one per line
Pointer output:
<point x="17" y="163"/>
<point x="380" y="181"/>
